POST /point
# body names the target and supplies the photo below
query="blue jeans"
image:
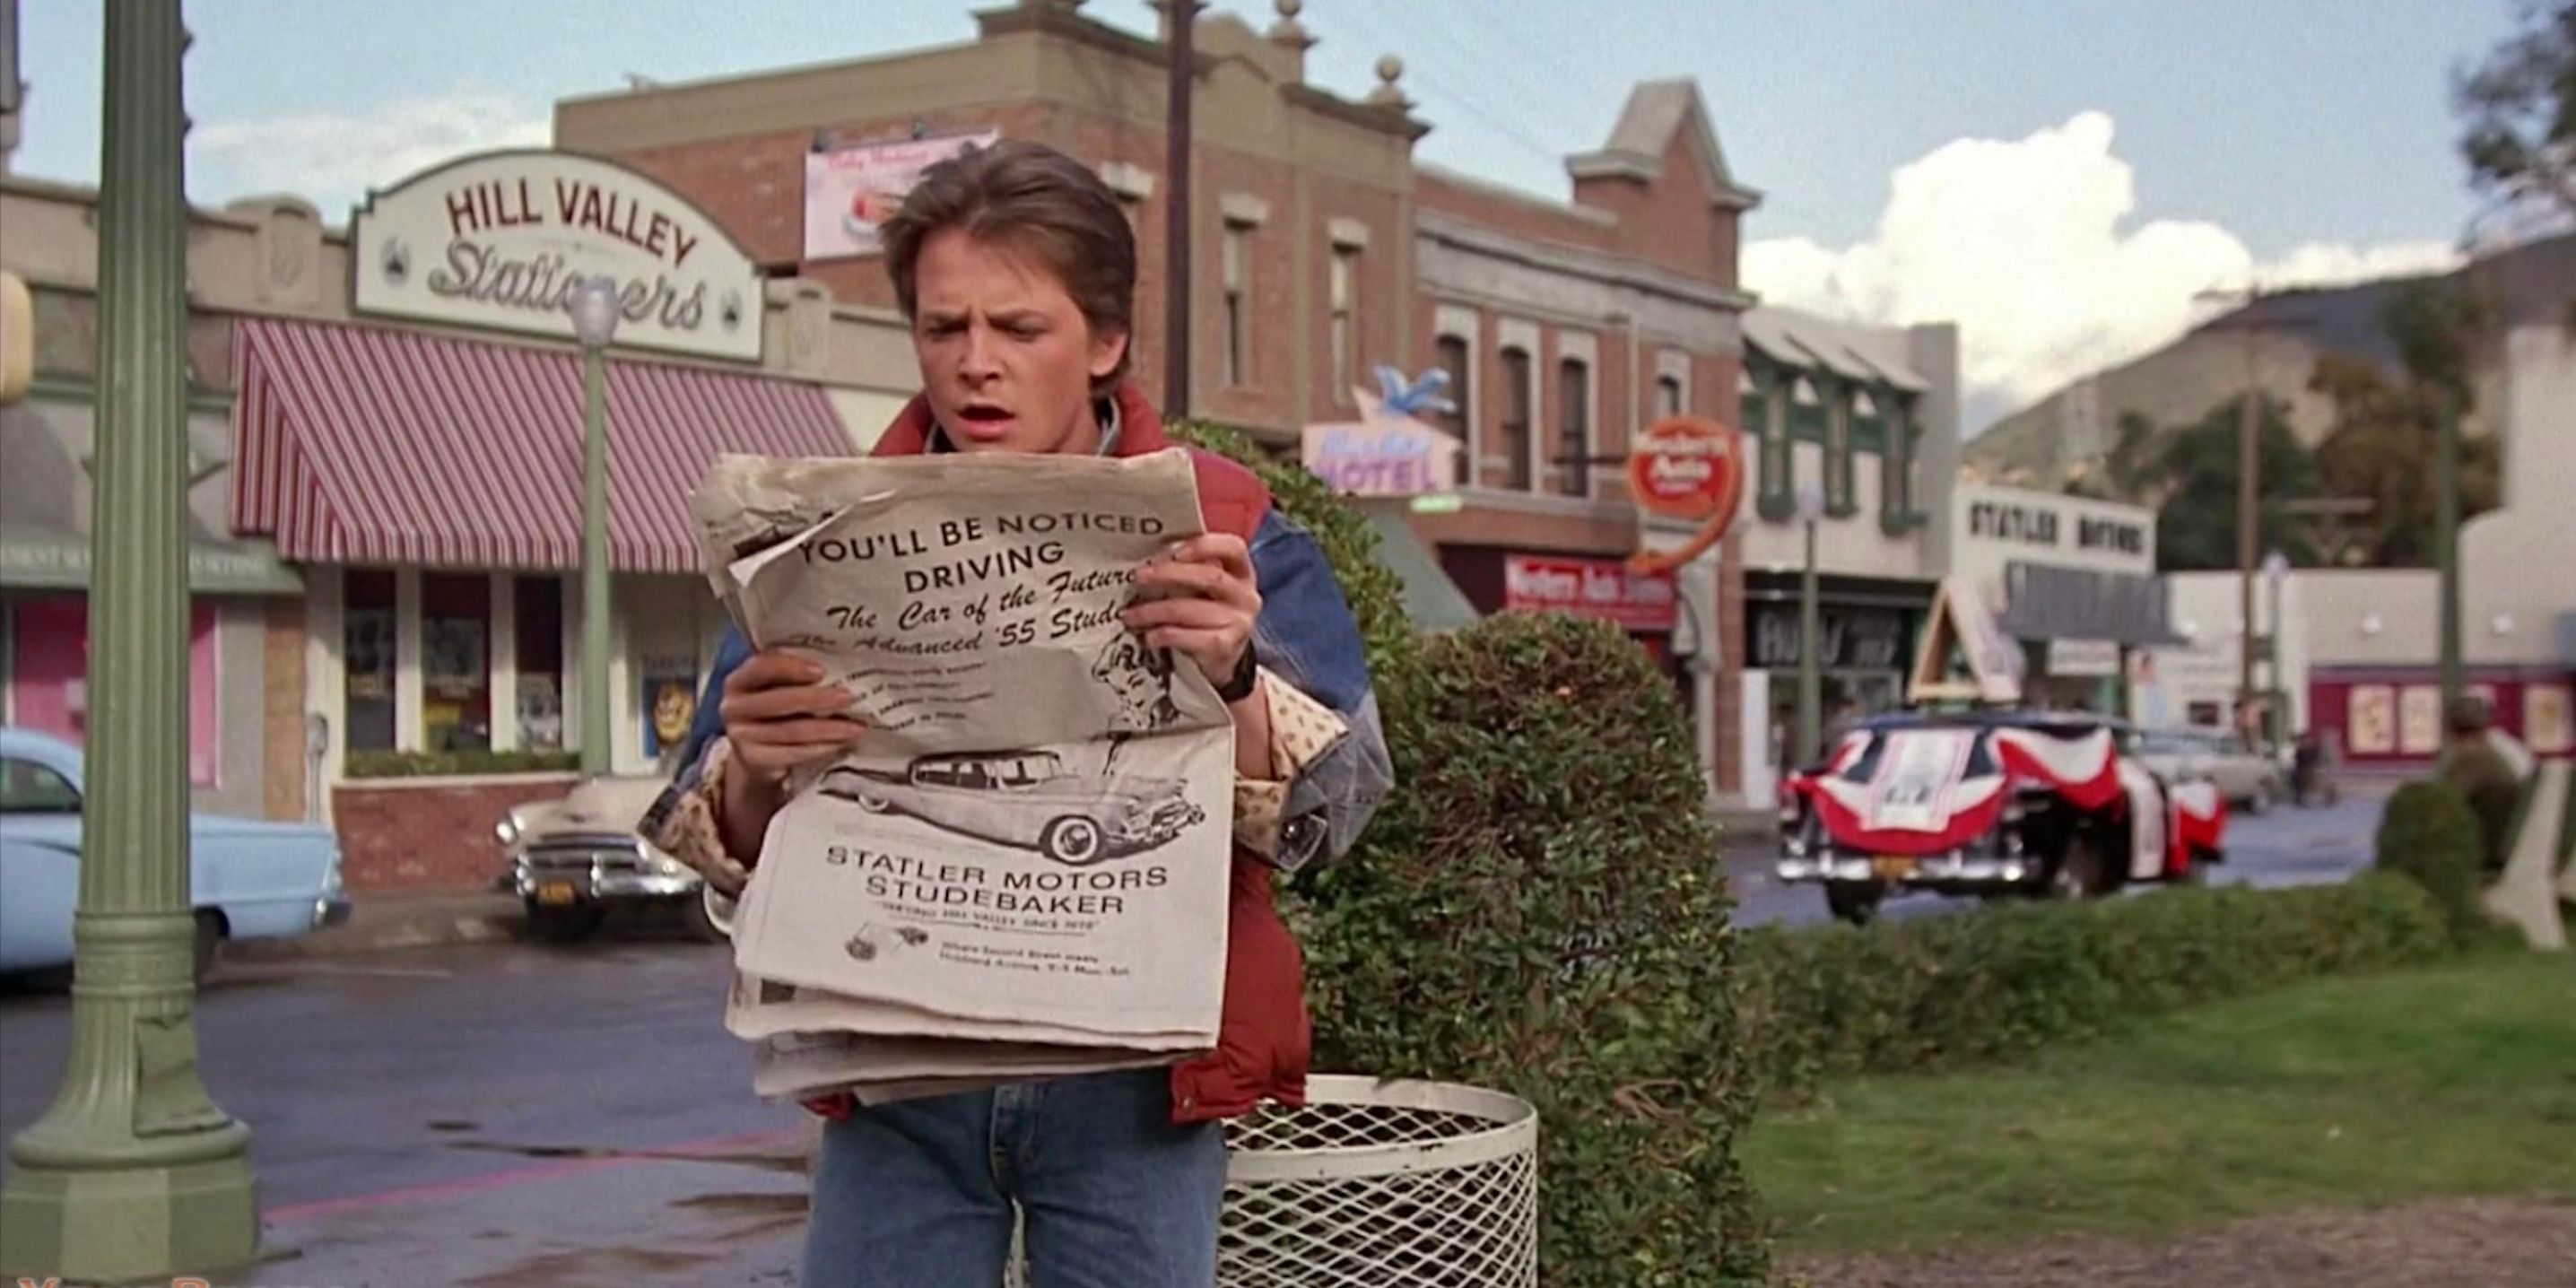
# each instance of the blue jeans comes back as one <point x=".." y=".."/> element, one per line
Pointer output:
<point x="919" y="1193"/>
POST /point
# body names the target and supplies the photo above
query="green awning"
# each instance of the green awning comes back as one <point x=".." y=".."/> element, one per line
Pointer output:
<point x="51" y="559"/>
<point x="1431" y="600"/>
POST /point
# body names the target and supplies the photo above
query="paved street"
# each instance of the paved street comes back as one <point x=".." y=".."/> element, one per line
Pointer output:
<point x="508" y="1115"/>
<point x="2283" y="847"/>
<point x="494" y="1115"/>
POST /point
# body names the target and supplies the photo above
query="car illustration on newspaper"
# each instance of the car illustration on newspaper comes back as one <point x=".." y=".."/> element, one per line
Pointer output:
<point x="1026" y="799"/>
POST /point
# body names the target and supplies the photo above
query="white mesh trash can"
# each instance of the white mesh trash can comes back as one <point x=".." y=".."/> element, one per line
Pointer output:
<point x="1383" y="1185"/>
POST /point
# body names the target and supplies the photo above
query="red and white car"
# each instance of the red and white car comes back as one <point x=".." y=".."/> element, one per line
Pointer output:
<point x="1994" y="804"/>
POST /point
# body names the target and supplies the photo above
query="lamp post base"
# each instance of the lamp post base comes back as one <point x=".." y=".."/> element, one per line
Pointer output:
<point x="129" y="1224"/>
<point x="133" y="1174"/>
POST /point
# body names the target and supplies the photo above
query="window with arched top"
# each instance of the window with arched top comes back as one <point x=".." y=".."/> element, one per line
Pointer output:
<point x="1450" y="354"/>
<point x="1516" y="444"/>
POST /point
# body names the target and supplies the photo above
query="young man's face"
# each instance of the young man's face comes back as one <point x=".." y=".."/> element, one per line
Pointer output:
<point x="1007" y="359"/>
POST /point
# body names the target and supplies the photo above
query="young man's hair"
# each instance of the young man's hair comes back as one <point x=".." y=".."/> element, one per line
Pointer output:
<point x="1040" y="203"/>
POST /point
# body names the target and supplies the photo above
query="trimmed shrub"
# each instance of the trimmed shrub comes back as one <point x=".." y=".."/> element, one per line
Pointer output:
<point x="2430" y="835"/>
<point x="457" y="764"/>
<point x="1349" y="544"/>
<point x="2002" y="982"/>
<point x="1537" y="911"/>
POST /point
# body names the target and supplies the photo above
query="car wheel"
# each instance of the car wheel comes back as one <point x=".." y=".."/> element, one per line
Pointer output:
<point x="873" y="804"/>
<point x="698" y="922"/>
<point x="2081" y="872"/>
<point x="1072" y="840"/>
<point x="2263" y="799"/>
<point x="1854" y="901"/>
<point x="209" y="940"/>
<point x="565" y="925"/>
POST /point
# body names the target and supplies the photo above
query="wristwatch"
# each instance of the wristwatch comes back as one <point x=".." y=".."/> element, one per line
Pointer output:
<point x="1239" y="685"/>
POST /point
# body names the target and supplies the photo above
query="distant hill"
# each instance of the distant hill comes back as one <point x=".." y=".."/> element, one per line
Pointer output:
<point x="2066" y="435"/>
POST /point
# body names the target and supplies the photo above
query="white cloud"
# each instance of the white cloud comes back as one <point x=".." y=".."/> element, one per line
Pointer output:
<point x="2024" y="244"/>
<point x="332" y="158"/>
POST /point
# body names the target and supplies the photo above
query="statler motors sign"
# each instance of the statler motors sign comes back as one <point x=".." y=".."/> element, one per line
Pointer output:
<point x="501" y="240"/>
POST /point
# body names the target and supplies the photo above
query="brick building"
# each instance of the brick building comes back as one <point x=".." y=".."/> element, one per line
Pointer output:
<point x="1321" y="250"/>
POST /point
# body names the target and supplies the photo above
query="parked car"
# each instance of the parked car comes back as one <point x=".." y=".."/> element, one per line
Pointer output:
<point x="572" y="861"/>
<point x="2247" y="778"/>
<point x="247" y="878"/>
<point x="1027" y="799"/>
<point x="1995" y="804"/>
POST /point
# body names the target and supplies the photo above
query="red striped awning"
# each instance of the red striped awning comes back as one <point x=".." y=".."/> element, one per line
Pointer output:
<point x="365" y="446"/>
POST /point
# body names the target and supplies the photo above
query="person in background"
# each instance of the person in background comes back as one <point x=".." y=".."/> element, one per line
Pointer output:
<point x="2483" y="776"/>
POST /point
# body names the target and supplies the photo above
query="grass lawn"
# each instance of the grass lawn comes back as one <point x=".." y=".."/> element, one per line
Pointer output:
<point x="2450" y="1081"/>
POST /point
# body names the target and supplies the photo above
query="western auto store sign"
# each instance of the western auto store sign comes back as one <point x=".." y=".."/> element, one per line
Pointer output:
<point x="1590" y="588"/>
<point x="502" y="239"/>
<point x="1686" y="468"/>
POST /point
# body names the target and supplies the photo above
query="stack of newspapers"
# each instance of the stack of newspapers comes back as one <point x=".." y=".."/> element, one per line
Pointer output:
<point x="1021" y="870"/>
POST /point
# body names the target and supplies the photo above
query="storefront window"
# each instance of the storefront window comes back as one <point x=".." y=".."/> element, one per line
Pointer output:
<point x="540" y="658"/>
<point x="367" y="644"/>
<point x="455" y="661"/>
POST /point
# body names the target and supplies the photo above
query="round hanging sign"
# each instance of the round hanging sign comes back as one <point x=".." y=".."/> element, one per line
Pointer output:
<point x="1688" y="468"/>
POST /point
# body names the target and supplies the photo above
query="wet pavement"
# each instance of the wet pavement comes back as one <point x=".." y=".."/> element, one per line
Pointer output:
<point x="495" y="1115"/>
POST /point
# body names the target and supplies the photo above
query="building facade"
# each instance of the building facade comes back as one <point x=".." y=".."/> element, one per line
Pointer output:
<point x="1322" y="251"/>
<point x="2073" y="580"/>
<point x="385" y="519"/>
<point x="1867" y="418"/>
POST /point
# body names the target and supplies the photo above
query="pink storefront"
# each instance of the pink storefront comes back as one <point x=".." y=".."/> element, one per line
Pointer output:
<point x="2392" y="716"/>
<point x="48" y="680"/>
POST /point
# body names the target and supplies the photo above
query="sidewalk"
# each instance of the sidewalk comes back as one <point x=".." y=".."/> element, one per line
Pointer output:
<point x="391" y="919"/>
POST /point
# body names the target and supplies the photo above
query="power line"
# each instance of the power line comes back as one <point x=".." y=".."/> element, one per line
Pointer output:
<point x="1496" y="121"/>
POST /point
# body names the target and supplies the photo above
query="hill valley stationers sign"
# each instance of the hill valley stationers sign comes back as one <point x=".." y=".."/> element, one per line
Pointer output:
<point x="501" y="240"/>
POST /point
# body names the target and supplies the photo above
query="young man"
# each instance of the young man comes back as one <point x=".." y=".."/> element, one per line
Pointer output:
<point x="1017" y="271"/>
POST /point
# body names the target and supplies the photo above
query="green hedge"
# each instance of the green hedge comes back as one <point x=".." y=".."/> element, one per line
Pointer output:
<point x="2001" y="982"/>
<point x="2430" y="836"/>
<point x="1537" y="911"/>
<point x="457" y="764"/>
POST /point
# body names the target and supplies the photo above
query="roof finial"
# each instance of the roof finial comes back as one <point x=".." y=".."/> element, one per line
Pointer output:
<point x="1288" y="31"/>
<point x="1390" y="69"/>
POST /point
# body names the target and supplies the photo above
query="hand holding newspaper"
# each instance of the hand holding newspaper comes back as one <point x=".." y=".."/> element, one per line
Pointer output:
<point x="1022" y="869"/>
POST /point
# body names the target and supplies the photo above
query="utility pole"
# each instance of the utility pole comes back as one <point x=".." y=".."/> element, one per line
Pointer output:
<point x="2249" y="492"/>
<point x="1182" y="25"/>
<point x="133" y="1174"/>
<point x="2446" y="548"/>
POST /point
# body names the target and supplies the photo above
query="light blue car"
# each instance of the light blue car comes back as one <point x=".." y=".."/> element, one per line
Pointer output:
<point x="248" y="879"/>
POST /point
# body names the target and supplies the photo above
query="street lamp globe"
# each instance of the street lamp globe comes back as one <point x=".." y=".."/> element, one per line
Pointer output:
<point x="2276" y="566"/>
<point x="1811" y="503"/>
<point x="594" y="311"/>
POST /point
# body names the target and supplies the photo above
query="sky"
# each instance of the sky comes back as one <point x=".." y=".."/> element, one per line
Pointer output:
<point x="2059" y="177"/>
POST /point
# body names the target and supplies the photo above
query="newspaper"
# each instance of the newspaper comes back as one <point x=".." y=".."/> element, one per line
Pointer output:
<point x="1025" y="861"/>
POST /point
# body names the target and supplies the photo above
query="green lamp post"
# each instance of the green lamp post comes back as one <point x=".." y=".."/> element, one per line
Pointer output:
<point x="595" y="310"/>
<point x="133" y="1173"/>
